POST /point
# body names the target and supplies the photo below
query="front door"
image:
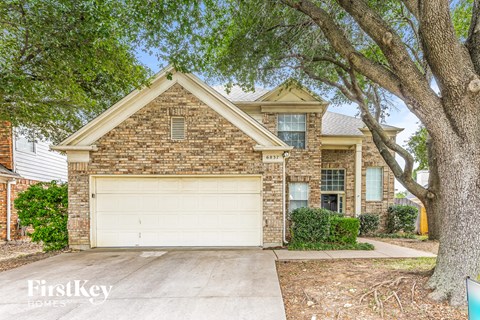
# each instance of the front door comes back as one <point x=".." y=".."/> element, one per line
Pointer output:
<point x="330" y="202"/>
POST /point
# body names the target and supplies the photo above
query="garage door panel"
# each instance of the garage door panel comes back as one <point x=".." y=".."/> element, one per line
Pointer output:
<point x="168" y="202"/>
<point x="119" y="219"/>
<point x="116" y="239"/>
<point x="205" y="211"/>
<point x="189" y="202"/>
<point x="240" y="221"/>
<point x="118" y="202"/>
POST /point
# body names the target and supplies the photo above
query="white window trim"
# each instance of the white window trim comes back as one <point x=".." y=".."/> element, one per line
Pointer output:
<point x="184" y="129"/>
<point x="381" y="184"/>
<point x="306" y="128"/>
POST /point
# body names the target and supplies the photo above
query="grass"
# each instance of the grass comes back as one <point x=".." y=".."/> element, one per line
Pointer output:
<point x="400" y="236"/>
<point x="396" y="235"/>
<point x="418" y="264"/>
<point x="329" y="246"/>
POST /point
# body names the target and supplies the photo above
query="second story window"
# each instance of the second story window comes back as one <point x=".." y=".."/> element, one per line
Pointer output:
<point x="23" y="144"/>
<point x="291" y="129"/>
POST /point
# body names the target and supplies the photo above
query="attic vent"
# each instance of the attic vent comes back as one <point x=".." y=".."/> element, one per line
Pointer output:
<point x="178" y="128"/>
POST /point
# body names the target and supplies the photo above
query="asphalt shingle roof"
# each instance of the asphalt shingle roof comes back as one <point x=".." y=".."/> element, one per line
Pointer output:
<point x="5" y="171"/>
<point x="237" y="94"/>
<point x="337" y="124"/>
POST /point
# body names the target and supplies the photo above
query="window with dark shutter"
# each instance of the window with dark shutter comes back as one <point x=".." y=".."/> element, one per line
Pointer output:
<point x="178" y="128"/>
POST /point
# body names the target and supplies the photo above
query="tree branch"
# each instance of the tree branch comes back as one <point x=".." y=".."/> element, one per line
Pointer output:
<point x="473" y="40"/>
<point x="342" y="45"/>
<point x="394" y="49"/>
<point x="412" y="89"/>
<point x="385" y="143"/>
<point x="447" y="57"/>
<point x="412" y="6"/>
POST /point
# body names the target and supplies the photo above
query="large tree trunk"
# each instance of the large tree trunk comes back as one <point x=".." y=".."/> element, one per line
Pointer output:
<point x="459" y="199"/>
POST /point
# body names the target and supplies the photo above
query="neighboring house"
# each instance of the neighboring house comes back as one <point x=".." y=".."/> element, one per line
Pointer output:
<point x="180" y="164"/>
<point x="23" y="163"/>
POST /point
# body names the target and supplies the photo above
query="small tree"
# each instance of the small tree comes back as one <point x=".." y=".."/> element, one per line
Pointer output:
<point x="44" y="207"/>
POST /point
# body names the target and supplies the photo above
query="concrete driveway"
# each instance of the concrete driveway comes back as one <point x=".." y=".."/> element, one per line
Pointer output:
<point x="190" y="284"/>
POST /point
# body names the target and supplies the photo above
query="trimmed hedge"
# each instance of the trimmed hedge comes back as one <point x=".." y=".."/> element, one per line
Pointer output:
<point x="343" y="230"/>
<point x="320" y="229"/>
<point x="311" y="225"/>
<point x="401" y="218"/>
<point x="369" y="223"/>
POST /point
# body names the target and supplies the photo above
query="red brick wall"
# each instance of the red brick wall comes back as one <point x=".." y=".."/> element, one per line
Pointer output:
<point x="19" y="186"/>
<point x="6" y="145"/>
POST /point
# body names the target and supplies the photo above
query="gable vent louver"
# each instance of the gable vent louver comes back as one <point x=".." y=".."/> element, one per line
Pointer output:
<point x="178" y="128"/>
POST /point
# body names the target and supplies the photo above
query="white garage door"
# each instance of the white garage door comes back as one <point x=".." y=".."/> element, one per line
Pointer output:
<point x="194" y="211"/>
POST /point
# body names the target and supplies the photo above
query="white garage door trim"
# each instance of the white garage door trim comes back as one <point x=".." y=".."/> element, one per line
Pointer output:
<point x="93" y="198"/>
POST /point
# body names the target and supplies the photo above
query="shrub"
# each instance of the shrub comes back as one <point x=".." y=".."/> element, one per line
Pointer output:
<point x="369" y="223"/>
<point x="310" y="225"/>
<point x="321" y="228"/>
<point x="44" y="207"/>
<point x="401" y="218"/>
<point x="343" y="230"/>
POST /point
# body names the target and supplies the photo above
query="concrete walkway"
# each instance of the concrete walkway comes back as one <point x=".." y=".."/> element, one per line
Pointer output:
<point x="382" y="250"/>
<point x="173" y="285"/>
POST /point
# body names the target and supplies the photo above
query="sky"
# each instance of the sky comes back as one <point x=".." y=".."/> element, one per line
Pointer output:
<point x="399" y="117"/>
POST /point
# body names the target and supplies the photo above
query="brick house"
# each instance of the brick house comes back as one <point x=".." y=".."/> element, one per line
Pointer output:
<point x="182" y="164"/>
<point x="23" y="163"/>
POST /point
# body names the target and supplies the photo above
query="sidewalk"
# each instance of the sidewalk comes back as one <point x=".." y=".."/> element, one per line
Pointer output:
<point x="382" y="250"/>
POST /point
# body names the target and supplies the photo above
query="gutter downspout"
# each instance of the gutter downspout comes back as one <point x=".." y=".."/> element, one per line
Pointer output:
<point x="9" y="207"/>
<point x="284" y="201"/>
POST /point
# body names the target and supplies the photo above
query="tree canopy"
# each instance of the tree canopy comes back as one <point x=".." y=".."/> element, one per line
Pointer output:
<point x="417" y="146"/>
<point x="64" y="62"/>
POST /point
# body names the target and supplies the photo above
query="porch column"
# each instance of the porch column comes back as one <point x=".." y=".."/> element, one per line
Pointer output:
<point x="358" y="179"/>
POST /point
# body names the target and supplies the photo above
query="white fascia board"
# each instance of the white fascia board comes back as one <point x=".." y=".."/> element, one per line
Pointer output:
<point x="341" y="141"/>
<point x="272" y="148"/>
<point x="74" y="148"/>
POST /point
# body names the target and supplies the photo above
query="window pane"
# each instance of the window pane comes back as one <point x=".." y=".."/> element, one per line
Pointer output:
<point x="295" y="204"/>
<point x="23" y="144"/>
<point x="295" y="139"/>
<point x="333" y="180"/>
<point x="291" y="129"/>
<point x="374" y="184"/>
<point x="298" y="195"/>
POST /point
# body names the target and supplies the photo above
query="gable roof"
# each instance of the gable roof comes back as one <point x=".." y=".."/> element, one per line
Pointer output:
<point x="137" y="99"/>
<point x="336" y="124"/>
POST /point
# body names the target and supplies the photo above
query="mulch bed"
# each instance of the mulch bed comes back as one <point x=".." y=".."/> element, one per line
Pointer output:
<point x="14" y="254"/>
<point x="361" y="290"/>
